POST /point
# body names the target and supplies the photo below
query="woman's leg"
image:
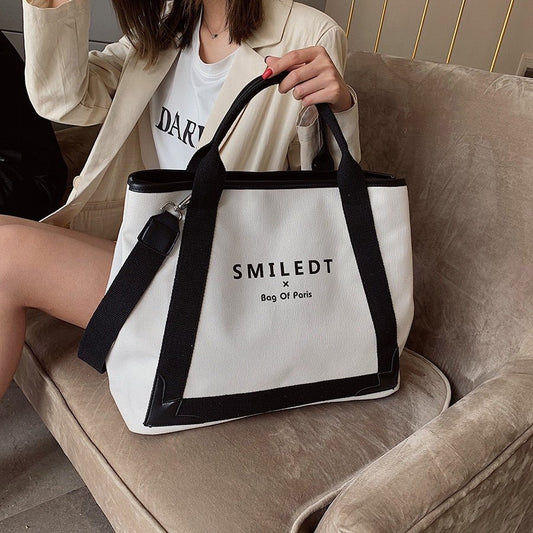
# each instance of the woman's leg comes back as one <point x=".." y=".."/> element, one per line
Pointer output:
<point x="6" y="220"/>
<point x="61" y="272"/>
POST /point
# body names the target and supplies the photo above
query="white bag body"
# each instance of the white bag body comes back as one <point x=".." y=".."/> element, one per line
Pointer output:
<point x="283" y="315"/>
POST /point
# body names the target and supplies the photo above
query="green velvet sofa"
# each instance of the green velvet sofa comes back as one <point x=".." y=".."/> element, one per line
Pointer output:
<point x="463" y="139"/>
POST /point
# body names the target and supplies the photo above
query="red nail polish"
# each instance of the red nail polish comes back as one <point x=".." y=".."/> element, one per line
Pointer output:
<point x="267" y="73"/>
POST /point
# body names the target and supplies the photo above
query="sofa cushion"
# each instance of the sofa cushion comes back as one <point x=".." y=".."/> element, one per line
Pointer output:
<point x="266" y="473"/>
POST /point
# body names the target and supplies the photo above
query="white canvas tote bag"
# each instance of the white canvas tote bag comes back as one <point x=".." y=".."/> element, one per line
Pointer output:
<point x="251" y="292"/>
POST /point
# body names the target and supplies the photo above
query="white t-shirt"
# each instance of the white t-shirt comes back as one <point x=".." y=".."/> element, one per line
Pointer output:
<point x="180" y="107"/>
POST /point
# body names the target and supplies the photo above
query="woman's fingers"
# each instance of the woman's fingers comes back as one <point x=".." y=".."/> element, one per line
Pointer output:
<point x="314" y="92"/>
<point x="312" y="77"/>
<point x="304" y="73"/>
<point x="295" y="57"/>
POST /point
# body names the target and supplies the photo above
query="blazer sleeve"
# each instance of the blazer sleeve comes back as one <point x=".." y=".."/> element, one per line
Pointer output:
<point x="307" y="142"/>
<point x="67" y="83"/>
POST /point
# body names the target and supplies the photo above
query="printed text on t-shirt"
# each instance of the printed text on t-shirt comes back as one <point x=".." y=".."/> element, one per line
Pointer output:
<point x="187" y="131"/>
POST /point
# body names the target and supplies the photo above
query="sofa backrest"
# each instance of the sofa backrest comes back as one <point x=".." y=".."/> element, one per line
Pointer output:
<point x="463" y="139"/>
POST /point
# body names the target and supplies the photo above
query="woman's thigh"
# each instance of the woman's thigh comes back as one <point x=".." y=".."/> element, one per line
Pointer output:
<point x="6" y="220"/>
<point x="61" y="272"/>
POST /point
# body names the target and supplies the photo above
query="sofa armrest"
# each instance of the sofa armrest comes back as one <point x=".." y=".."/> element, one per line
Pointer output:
<point x="469" y="469"/>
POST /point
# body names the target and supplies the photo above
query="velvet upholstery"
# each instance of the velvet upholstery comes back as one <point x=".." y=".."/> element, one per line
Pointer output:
<point x="468" y="470"/>
<point x="225" y="478"/>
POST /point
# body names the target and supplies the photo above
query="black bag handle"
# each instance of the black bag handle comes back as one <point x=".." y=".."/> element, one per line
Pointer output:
<point x="209" y="170"/>
<point x="322" y="161"/>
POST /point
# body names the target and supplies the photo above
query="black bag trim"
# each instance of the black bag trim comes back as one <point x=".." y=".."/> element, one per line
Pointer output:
<point x="191" y="411"/>
<point x="157" y="181"/>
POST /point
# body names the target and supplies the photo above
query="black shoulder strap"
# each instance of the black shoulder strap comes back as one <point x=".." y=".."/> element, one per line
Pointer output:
<point x="154" y="243"/>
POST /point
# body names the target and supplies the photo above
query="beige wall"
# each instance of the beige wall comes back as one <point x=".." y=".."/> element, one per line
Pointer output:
<point x="476" y="41"/>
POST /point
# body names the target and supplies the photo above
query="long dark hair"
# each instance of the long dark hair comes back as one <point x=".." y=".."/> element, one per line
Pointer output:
<point x="151" y="30"/>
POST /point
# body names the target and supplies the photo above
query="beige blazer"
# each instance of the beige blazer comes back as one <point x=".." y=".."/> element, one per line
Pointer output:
<point x="68" y="84"/>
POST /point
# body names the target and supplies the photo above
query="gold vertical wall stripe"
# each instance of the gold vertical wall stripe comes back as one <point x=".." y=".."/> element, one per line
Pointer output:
<point x="420" y="28"/>
<point x="378" y="36"/>
<point x="350" y="16"/>
<point x="502" y="34"/>
<point x="458" y="22"/>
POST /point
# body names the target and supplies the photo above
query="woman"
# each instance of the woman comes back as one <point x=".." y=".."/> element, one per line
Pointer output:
<point x="130" y="89"/>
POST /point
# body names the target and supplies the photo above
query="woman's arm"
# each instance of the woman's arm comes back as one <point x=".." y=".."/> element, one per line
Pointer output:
<point x="65" y="82"/>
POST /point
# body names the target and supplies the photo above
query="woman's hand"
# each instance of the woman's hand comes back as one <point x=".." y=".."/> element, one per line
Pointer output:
<point x="313" y="78"/>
